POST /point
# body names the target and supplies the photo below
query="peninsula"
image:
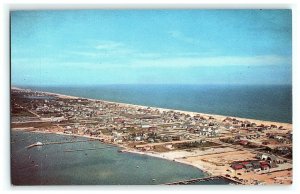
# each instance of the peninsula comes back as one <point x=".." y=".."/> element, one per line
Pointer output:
<point x="244" y="150"/>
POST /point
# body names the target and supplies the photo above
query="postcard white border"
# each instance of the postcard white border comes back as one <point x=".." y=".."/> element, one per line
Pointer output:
<point x="7" y="5"/>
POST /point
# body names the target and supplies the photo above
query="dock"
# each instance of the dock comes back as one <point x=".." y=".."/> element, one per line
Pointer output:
<point x="191" y="181"/>
<point x="51" y="143"/>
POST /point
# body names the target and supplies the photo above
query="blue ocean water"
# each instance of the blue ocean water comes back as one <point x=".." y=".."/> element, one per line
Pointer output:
<point x="263" y="102"/>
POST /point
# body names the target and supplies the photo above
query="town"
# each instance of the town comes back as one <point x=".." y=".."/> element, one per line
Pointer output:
<point x="244" y="150"/>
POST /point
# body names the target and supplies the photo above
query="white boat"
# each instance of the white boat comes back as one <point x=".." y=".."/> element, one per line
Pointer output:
<point x="35" y="144"/>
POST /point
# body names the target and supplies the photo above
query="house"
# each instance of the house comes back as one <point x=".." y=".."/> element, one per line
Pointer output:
<point x="248" y="166"/>
<point x="290" y="135"/>
<point x="265" y="142"/>
<point x="191" y="130"/>
<point x="138" y="138"/>
<point x="270" y="159"/>
<point x="237" y="166"/>
<point x="243" y="142"/>
<point x="246" y="124"/>
<point x="152" y="128"/>
<point x="262" y="156"/>
<point x="176" y="138"/>
<point x="145" y="126"/>
<point x="279" y="161"/>
<point x="283" y="150"/>
<point x="57" y="119"/>
<point x="95" y="132"/>
<point x="273" y="126"/>
<point x="119" y="120"/>
<point x="117" y="140"/>
<point x="264" y="165"/>
<point x="253" y="125"/>
<point x="279" y="138"/>
<point x="235" y="122"/>
<point x="256" y="164"/>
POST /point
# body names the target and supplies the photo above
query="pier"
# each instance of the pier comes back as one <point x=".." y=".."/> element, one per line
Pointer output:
<point x="51" y="143"/>
<point x="191" y="181"/>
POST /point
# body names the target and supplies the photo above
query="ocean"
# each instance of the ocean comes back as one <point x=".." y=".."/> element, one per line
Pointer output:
<point x="52" y="165"/>
<point x="262" y="102"/>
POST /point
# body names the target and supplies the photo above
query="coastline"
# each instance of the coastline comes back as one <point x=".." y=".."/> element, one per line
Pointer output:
<point x="208" y="169"/>
<point x="161" y="156"/>
<point x="123" y="149"/>
<point x="218" y="117"/>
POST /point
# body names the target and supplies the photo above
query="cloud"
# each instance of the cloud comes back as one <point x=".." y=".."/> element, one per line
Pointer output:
<point x="181" y="37"/>
<point x="109" y="45"/>
<point x="113" y="54"/>
<point x="220" y="61"/>
<point x="159" y="62"/>
<point x="103" y="49"/>
<point x="113" y="48"/>
<point x="120" y="50"/>
<point x="82" y="53"/>
<point x="191" y="62"/>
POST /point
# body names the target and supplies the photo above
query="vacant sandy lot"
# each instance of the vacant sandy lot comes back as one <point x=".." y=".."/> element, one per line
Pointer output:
<point x="279" y="177"/>
<point x="220" y="159"/>
<point x="196" y="152"/>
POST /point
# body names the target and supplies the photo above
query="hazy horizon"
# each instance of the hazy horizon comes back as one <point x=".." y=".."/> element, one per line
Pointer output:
<point x="145" y="84"/>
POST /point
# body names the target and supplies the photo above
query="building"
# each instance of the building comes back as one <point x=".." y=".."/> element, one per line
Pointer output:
<point x="264" y="165"/>
<point x="243" y="142"/>
<point x="248" y="166"/>
<point x="255" y="165"/>
<point x="237" y="166"/>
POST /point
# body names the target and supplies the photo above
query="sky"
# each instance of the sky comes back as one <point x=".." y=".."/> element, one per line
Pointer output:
<point x="93" y="47"/>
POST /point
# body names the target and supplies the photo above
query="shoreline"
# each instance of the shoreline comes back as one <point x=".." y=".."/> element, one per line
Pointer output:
<point x="123" y="149"/>
<point x="65" y="134"/>
<point x="216" y="116"/>
<point x="157" y="155"/>
<point x="208" y="170"/>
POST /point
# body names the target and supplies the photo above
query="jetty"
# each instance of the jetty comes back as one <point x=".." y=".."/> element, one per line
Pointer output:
<point x="51" y="143"/>
<point x="191" y="181"/>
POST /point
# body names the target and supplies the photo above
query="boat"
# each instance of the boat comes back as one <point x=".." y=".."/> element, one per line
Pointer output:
<point x="35" y="144"/>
